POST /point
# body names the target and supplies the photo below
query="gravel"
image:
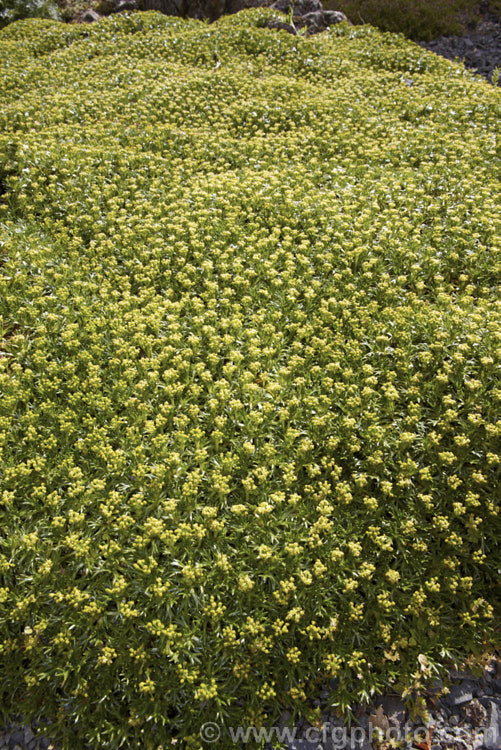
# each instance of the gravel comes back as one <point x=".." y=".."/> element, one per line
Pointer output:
<point x="479" y="50"/>
<point x="471" y="724"/>
<point x="462" y="717"/>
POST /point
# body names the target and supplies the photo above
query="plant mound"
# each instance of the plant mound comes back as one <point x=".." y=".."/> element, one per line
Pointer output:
<point x="249" y="408"/>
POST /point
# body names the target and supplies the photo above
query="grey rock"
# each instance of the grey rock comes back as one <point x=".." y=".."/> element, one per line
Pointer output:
<point x="107" y="7"/>
<point x="303" y="745"/>
<point x="16" y="738"/>
<point x="28" y="735"/>
<point x="454" y="721"/>
<point x="123" y="5"/>
<point x="492" y="734"/>
<point x="334" y="16"/>
<point x="90" y="16"/>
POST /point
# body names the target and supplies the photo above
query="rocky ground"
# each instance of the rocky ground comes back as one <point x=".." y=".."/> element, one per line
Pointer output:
<point x="466" y="716"/>
<point x="479" y="50"/>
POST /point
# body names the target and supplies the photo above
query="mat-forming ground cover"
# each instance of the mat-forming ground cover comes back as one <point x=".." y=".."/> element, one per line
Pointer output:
<point x="250" y="341"/>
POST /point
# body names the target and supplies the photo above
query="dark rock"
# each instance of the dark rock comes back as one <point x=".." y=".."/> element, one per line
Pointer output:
<point x="446" y="710"/>
<point x="314" y="22"/>
<point x="90" y="16"/>
<point x="298" y="7"/>
<point x="306" y="14"/>
<point x="486" y="678"/>
<point x="362" y="720"/>
<point x="284" y="719"/>
<point x="479" y="50"/>
<point x="168" y="7"/>
<point x="324" y="693"/>
<point x="459" y="694"/>
<point x="475" y="713"/>
<point x="494" y="668"/>
<point x="485" y="700"/>
<point x="280" y="26"/>
<point x="461" y="675"/>
<point x="228" y="7"/>
<point x="437" y="685"/>
<point x="318" y="20"/>
<point x="394" y="709"/>
<point x="325" y="716"/>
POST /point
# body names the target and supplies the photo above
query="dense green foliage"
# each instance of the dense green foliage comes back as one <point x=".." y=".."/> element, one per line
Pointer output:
<point x="417" y="19"/>
<point x="249" y="409"/>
